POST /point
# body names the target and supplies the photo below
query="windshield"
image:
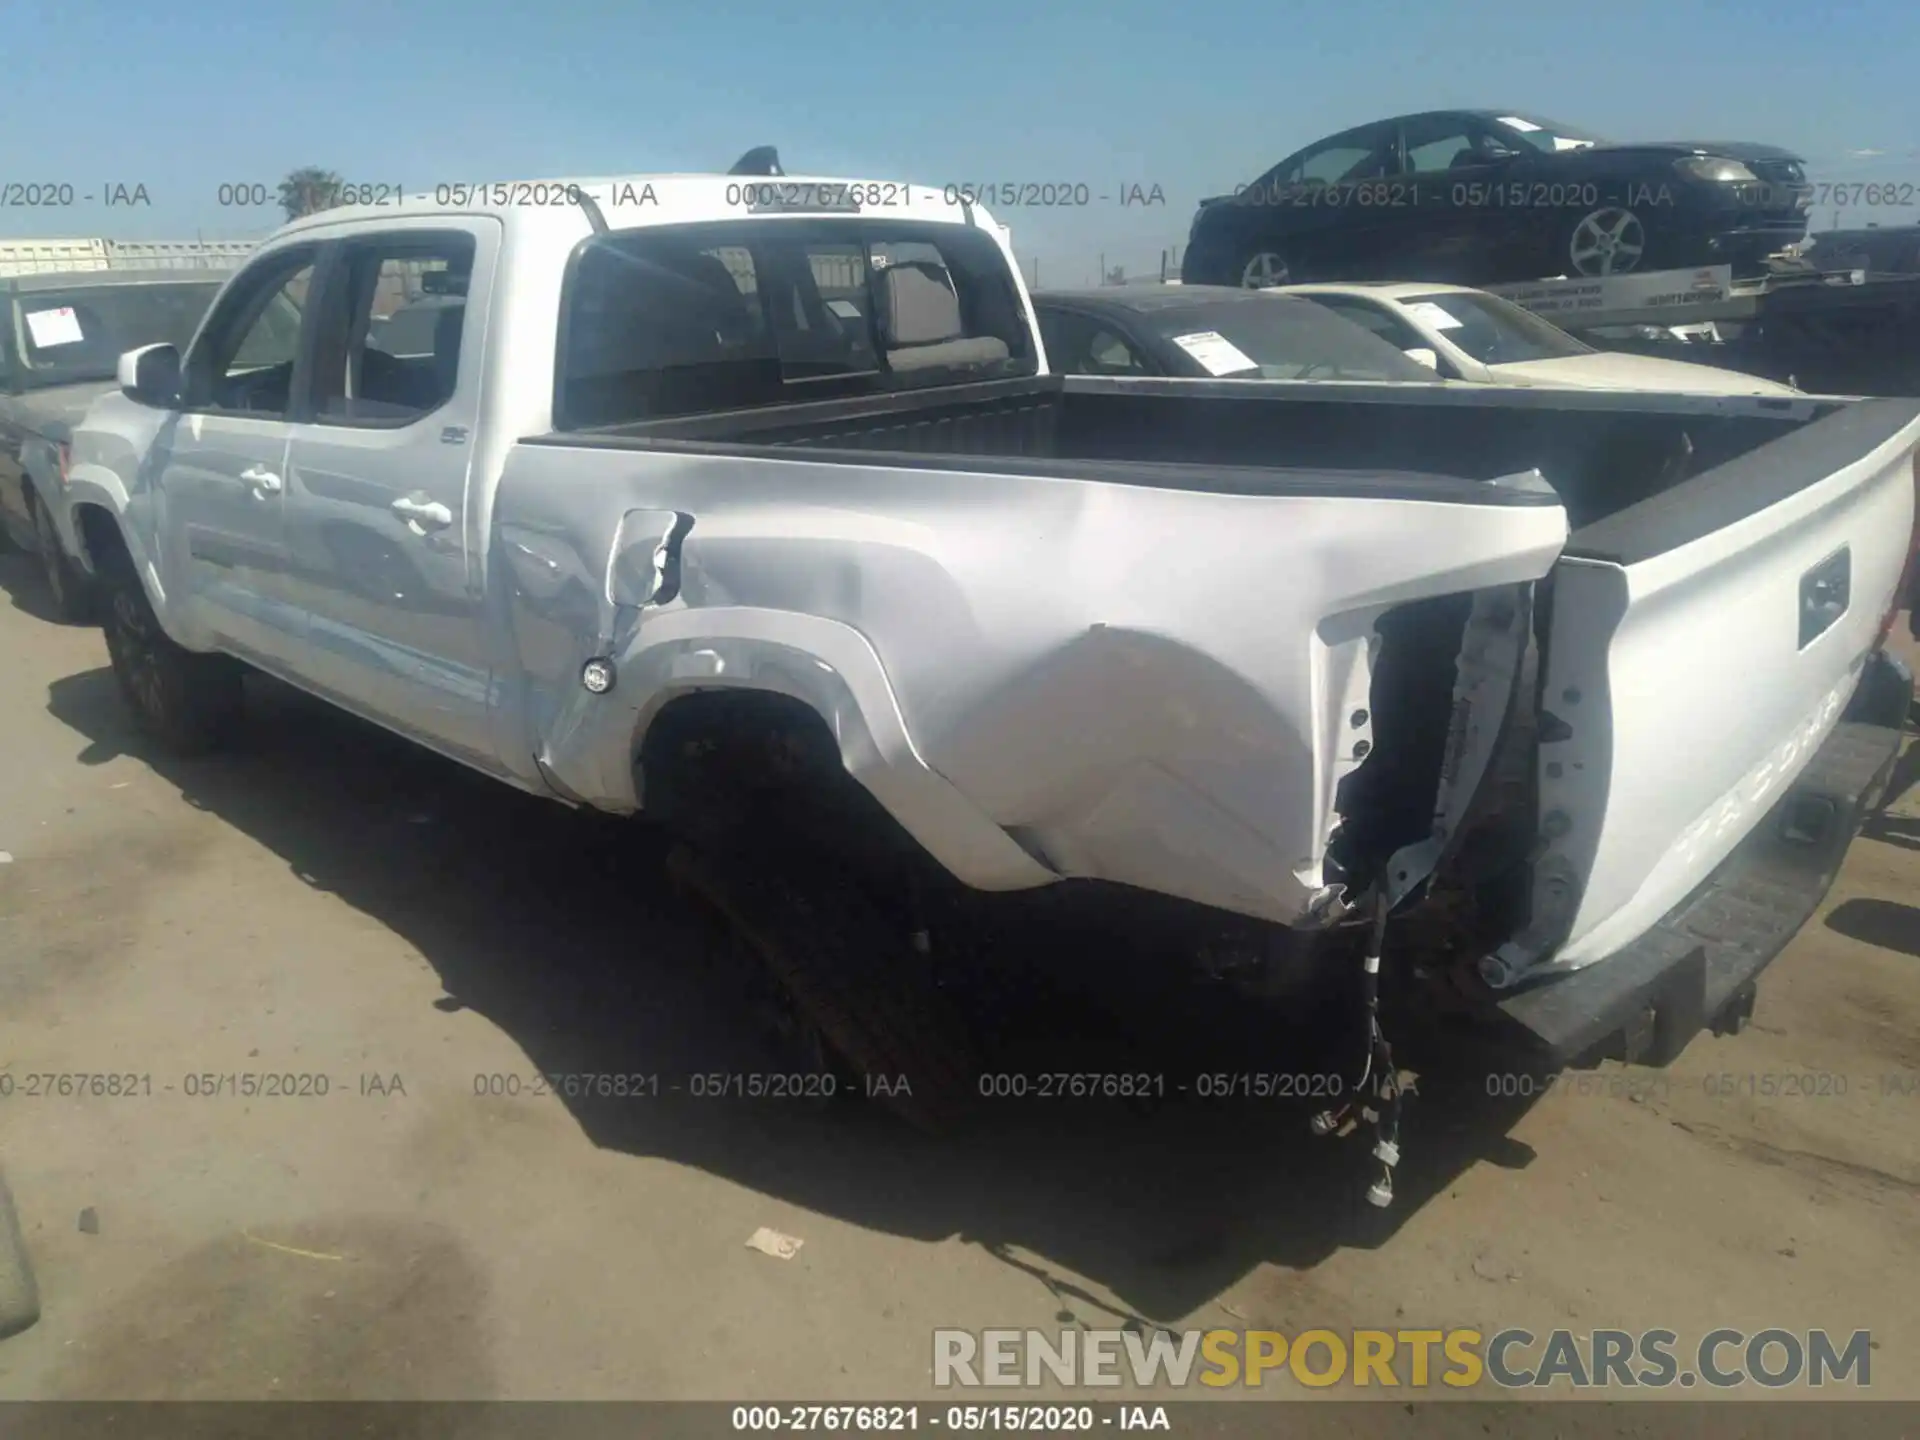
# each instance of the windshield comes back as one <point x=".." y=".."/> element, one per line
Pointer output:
<point x="1273" y="337"/>
<point x="1551" y="136"/>
<point x="1491" y="330"/>
<point x="63" y="336"/>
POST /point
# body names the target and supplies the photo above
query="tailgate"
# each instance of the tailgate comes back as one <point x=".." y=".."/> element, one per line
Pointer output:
<point x="1701" y="646"/>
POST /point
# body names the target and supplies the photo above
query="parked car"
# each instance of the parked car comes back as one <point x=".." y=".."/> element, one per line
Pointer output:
<point x="1483" y="197"/>
<point x="1208" y="332"/>
<point x="724" y="516"/>
<point x="61" y="336"/>
<point x="1466" y="334"/>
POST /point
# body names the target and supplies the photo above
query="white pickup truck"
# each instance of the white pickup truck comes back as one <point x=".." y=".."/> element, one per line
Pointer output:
<point x="709" y="487"/>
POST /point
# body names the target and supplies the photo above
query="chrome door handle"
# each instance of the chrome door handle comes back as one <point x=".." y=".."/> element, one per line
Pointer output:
<point x="262" y="481"/>
<point x="422" y="515"/>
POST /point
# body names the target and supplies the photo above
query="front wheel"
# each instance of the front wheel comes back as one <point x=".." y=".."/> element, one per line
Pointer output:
<point x="1609" y="241"/>
<point x="189" y="702"/>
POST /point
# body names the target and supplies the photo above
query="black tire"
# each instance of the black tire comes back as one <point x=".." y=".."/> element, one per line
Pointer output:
<point x="847" y="974"/>
<point x="190" y="703"/>
<point x="69" y="587"/>
<point x="19" y="1295"/>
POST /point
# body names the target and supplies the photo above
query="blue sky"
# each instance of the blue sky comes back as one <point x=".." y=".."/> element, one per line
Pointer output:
<point x="186" y="96"/>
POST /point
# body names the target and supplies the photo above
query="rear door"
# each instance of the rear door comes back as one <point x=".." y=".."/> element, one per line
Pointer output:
<point x="1324" y="214"/>
<point x="377" y="488"/>
<point x="1702" y="645"/>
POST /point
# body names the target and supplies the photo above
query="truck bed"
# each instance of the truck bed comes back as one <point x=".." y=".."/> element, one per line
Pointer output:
<point x="1602" y="452"/>
<point x="1249" y="644"/>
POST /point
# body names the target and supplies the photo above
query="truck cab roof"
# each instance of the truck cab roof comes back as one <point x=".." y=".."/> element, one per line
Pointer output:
<point x="656" y="198"/>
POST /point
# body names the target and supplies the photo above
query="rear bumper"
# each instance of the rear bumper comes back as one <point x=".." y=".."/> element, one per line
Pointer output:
<point x="1696" y="968"/>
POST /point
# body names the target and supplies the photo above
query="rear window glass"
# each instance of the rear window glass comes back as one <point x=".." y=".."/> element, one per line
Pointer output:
<point x="694" y="319"/>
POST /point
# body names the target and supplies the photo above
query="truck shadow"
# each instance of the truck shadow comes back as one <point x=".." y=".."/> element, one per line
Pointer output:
<point x="1887" y="924"/>
<point x="26" y="587"/>
<point x="562" y="929"/>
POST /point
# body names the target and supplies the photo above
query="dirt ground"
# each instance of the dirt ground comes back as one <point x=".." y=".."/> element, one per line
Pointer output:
<point x="331" y="903"/>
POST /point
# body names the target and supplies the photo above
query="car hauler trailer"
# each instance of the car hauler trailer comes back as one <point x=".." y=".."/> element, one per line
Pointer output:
<point x="1831" y="331"/>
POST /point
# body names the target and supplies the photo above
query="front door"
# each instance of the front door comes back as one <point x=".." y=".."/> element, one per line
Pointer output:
<point x="220" y="464"/>
<point x="377" y="484"/>
<point x="1458" y="169"/>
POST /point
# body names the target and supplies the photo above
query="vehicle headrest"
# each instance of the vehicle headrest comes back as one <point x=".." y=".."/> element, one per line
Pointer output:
<point x="919" y="306"/>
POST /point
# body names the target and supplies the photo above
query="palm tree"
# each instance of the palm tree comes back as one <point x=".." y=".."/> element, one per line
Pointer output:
<point x="308" y="189"/>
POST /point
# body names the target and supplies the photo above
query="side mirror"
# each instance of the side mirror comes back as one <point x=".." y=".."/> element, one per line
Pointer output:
<point x="151" y="375"/>
<point x="1424" y="355"/>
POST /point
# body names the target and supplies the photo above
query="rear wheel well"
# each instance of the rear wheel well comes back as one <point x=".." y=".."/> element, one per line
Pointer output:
<point x="714" y="760"/>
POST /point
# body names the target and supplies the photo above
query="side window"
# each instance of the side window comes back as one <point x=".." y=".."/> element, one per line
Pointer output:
<point x="1056" y="333"/>
<point x="1390" y="328"/>
<point x="1332" y="165"/>
<point x="680" y="320"/>
<point x="1357" y="155"/>
<point x="245" y="361"/>
<point x="1444" y="143"/>
<point x="391" y="323"/>
<point x="1109" y="354"/>
<point x="1077" y="345"/>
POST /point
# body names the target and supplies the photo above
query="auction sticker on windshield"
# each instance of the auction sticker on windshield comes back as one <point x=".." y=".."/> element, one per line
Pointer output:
<point x="1217" y="354"/>
<point x="1434" y="315"/>
<point x="54" y="327"/>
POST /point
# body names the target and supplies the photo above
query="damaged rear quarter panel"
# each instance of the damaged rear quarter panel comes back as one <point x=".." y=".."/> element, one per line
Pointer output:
<point x="1038" y="676"/>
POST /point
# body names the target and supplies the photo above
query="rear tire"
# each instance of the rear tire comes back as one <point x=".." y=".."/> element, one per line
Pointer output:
<point x="190" y="703"/>
<point x="860" y="999"/>
<point x="67" y="585"/>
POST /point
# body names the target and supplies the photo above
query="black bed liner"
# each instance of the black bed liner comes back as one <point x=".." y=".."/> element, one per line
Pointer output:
<point x="1745" y="484"/>
<point x="1602" y="452"/>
